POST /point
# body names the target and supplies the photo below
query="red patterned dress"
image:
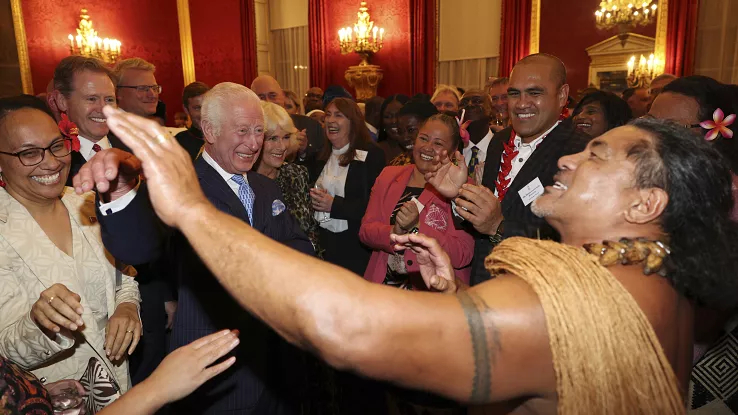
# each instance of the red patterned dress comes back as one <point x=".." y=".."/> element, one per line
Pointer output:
<point x="21" y="393"/>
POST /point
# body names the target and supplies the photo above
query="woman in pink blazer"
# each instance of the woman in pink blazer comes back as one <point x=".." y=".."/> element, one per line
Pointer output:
<point x="402" y="202"/>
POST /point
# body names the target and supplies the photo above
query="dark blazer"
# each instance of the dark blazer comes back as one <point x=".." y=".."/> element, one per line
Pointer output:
<point x="345" y="249"/>
<point x="519" y="220"/>
<point x="251" y="385"/>
<point x="314" y="131"/>
<point x="191" y="140"/>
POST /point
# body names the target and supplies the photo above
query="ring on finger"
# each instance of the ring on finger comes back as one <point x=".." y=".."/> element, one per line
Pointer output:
<point x="51" y="299"/>
<point x="129" y="331"/>
<point x="161" y="138"/>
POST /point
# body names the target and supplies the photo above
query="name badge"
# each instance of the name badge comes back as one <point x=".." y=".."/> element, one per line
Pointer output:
<point x="361" y="155"/>
<point x="418" y="204"/>
<point x="531" y="191"/>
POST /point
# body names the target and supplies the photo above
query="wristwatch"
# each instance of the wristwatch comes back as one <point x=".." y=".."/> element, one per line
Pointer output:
<point x="497" y="237"/>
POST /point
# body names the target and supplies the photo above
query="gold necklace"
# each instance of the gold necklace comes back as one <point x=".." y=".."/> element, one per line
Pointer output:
<point x="653" y="254"/>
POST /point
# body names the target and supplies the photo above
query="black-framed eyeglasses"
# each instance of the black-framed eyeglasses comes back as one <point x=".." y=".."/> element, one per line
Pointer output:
<point x="35" y="155"/>
<point x="142" y="89"/>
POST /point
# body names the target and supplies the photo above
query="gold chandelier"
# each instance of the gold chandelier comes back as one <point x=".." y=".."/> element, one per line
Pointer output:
<point x="364" y="39"/>
<point x="625" y="13"/>
<point x="640" y="76"/>
<point x="88" y="43"/>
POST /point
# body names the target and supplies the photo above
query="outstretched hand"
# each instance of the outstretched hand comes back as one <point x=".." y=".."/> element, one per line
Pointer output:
<point x="446" y="176"/>
<point x="112" y="172"/>
<point x="433" y="262"/>
<point x="170" y="175"/>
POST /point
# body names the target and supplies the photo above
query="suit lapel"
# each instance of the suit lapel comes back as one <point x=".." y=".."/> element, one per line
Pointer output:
<point x="494" y="154"/>
<point x="534" y="166"/>
<point x="115" y="142"/>
<point x="262" y="205"/>
<point x="218" y="191"/>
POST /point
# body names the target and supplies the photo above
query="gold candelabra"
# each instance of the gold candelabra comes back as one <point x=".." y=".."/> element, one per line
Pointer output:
<point x="88" y="43"/>
<point x="640" y="76"/>
<point x="365" y="38"/>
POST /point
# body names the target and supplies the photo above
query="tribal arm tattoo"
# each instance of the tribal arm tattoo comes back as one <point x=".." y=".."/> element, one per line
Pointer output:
<point x="485" y="339"/>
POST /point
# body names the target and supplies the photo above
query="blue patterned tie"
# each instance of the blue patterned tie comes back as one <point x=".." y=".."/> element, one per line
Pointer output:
<point x="246" y="195"/>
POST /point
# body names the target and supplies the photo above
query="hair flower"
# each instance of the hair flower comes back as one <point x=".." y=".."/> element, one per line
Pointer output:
<point x="70" y="131"/>
<point x="718" y="125"/>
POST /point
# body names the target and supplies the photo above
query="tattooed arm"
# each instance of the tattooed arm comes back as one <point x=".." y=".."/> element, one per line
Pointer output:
<point x="487" y="344"/>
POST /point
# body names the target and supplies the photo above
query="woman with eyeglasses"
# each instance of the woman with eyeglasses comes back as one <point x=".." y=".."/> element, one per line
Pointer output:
<point x="65" y="305"/>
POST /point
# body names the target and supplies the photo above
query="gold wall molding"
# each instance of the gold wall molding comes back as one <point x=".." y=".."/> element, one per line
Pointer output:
<point x="185" y="40"/>
<point x="22" y="45"/>
<point x="659" y="49"/>
<point x="535" y="26"/>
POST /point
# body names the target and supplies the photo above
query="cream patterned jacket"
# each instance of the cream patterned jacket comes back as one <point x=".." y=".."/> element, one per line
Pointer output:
<point x="30" y="263"/>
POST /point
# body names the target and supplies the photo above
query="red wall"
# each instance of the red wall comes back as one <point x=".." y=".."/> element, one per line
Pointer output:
<point x="146" y="28"/>
<point x="216" y="41"/>
<point x="568" y="28"/>
<point x="394" y="58"/>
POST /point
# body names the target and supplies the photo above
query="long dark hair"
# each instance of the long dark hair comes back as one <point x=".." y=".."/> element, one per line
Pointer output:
<point x="617" y="111"/>
<point x="402" y="99"/>
<point x="358" y="136"/>
<point x="696" y="219"/>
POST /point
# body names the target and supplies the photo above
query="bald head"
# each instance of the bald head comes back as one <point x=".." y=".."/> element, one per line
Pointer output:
<point x="548" y="63"/>
<point x="268" y="89"/>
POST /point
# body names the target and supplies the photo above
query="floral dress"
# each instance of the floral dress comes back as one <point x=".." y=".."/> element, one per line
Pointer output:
<point x="292" y="180"/>
<point x="21" y="393"/>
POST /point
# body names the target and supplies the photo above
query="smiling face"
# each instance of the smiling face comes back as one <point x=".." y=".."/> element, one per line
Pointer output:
<point x="476" y="106"/>
<point x="498" y="95"/>
<point x="446" y="102"/>
<point x="275" y="148"/>
<point x="596" y="189"/>
<point x="337" y="126"/>
<point x="389" y="120"/>
<point x="591" y="120"/>
<point x="535" y="99"/>
<point x="433" y="138"/>
<point x="139" y="103"/>
<point x="91" y="91"/>
<point x="237" y="144"/>
<point x="408" y="128"/>
<point x="24" y="129"/>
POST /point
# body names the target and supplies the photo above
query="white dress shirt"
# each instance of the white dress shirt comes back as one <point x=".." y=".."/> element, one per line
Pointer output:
<point x="524" y="153"/>
<point x="481" y="145"/>
<point x="85" y="146"/>
<point x="333" y="180"/>
<point x="224" y="174"/>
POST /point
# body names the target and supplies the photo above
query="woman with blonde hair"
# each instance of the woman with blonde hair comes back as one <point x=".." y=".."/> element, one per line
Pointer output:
<point x="280" y="145"/>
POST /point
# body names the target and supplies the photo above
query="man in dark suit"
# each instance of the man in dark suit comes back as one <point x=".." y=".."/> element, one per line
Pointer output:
<point x="233" y="126"/>
<point x="192" y="138"/>
<point x="518" y="165"/>
<point x="309" y="131"/>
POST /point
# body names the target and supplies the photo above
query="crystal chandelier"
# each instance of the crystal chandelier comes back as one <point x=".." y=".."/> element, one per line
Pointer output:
<point x="364" y="39"/>
<point x="88" y="43"/>
<point x="625" y="12"/>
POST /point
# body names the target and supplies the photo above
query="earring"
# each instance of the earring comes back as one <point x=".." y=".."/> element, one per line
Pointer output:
<point x="2" y="182"/>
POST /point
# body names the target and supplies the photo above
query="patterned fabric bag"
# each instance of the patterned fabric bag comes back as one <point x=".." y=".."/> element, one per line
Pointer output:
<point x="102" y="389"/>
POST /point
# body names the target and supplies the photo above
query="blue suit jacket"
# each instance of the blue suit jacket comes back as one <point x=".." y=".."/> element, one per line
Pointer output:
<point x="252" y="385"/>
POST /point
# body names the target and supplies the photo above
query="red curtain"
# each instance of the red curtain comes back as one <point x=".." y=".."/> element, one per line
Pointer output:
<point x="317" y="26"/>
<point x="514" y="34"/>
<point x="681" y="35"/>
<point x="423" y="45"/>
<point x="248" y="38"/>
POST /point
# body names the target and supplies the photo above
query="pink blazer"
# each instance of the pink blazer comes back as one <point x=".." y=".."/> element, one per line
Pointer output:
<point x="436" y="221"/>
